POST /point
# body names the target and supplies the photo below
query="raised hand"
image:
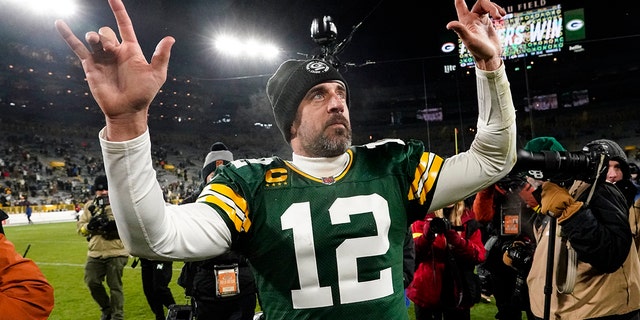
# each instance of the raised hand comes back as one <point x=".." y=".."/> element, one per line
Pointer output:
<point x="121" y="80"/>
<point x="475" y="29"/>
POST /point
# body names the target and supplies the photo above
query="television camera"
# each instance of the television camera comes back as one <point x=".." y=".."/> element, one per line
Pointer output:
<point x="100" y="224"/>
<point x="560" y="166"/>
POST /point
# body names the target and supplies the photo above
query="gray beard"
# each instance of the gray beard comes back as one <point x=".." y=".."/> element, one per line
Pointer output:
<point x="330" y="146"/>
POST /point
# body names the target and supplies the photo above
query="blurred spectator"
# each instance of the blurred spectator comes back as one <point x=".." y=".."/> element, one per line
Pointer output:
<point x="25" y="293"/>
<point x="635" y="179"/>
<point x="156" y="276"/>
<point x="448" y="246"/>
<point x="28" y="210"/>
<point x="202" y="280"/>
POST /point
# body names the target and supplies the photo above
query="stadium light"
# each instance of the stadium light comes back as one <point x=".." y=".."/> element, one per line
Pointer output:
<point x="58" y="8"/>
<point x="252" y="48"/>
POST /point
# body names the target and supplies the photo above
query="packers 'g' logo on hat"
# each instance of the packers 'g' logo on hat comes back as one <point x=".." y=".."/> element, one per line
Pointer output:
<point x="317" y="67"/>
<point x="289" y="84"/>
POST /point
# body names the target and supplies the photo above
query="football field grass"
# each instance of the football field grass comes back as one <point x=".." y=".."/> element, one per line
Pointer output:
<point x="61" y="253"/>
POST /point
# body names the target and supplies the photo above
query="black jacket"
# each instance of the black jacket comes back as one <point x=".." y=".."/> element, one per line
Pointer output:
<point x="600" y="232"/>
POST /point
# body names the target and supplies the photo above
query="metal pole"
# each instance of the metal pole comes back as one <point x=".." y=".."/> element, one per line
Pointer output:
<point x="548" y="283"/>
<point x="529" y="104"/>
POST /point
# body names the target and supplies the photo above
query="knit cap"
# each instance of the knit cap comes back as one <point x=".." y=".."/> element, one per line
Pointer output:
<point x="290" y="83"/>
<point x="100" y="183"/>
<point x="532" y="167"/>
<point x="544" y="144"/>
<point x="612" y="150"/>
<point x="218" y="156"/>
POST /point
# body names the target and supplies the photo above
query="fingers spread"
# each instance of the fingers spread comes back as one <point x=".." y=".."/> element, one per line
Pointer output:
<point x="125" y="26"/>
<point x="160" y="58"/>
<point x="108" y="38"/>
<point x="72" y="41"/>
<point x="461" y="8"/>
<point x="93" y="39"/>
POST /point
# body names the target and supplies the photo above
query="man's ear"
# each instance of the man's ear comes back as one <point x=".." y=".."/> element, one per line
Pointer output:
<point x="294" y="128"/>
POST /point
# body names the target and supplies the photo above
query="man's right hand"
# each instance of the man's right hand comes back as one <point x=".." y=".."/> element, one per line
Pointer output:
<point x="120" y="79"/>
<point x="475" y="29"/>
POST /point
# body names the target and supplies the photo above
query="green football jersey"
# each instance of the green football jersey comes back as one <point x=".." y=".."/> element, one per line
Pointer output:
<point x="327" y="247"/>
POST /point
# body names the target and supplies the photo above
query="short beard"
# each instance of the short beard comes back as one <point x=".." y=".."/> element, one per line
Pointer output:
<point x="330" y="143"/>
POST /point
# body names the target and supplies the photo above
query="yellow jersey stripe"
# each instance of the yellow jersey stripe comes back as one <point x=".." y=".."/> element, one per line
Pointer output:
<point x="230" y="202"/>
<point x="425" y="176"/>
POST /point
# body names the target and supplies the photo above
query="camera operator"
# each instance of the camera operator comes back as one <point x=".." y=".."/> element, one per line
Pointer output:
<point x="107" y="256"/>
<point x="506" y="211"/>
<point x="604" y="281"/>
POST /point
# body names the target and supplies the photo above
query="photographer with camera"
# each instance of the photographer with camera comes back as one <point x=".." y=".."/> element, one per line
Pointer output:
<point x="107" y="255"/>
<point x="506" y="212"/>
<point x="25" y="293"/>
<point x="594" y="268"/>
<point x="448" y="246"/>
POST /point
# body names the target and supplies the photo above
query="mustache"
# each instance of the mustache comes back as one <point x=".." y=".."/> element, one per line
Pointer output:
<point x="338" y="119"/>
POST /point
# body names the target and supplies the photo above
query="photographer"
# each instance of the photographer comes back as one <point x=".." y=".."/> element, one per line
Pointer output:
<point x="107" y="256"/>
<point x="506" y="212"/>
<point x="448" y="246"/>
<point x="604" y="282"/>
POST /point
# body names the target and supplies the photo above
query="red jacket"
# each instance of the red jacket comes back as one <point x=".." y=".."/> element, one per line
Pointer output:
<point x="430" y="281"/>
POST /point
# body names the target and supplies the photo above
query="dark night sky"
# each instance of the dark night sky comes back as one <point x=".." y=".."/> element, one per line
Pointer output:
<point x="402" y="37"/>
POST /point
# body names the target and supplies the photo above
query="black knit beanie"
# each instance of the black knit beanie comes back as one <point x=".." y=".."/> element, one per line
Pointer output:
<point x="613" y="151"/>
<point x="218" y="156"/>
<point x="289" y="84"/>
<point x="100" y="183"/>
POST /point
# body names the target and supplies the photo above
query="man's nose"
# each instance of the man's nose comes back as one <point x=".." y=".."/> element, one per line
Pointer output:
<point x="336" y="103"/>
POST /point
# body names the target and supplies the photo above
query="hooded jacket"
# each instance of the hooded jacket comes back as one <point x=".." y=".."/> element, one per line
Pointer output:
<point x="608" y="271"/>
<point x="432" y="251"/>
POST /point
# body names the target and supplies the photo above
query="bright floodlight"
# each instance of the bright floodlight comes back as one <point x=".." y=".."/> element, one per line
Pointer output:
<point x="58" y="8"/>
<point x="248" y="48"/>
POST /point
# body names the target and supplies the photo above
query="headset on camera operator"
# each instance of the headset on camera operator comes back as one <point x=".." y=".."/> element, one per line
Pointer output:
<point x="594" y="270"/>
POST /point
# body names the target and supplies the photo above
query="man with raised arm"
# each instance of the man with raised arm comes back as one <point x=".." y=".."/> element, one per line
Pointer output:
<point x="324" y="231"/>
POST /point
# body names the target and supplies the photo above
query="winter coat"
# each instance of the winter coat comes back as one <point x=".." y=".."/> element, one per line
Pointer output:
<point x="101" y="245"/>
<point x="608" y="271"/>
<point x="435" y="284"/>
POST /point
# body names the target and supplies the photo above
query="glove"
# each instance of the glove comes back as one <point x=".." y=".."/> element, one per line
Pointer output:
<point x="526" y="194"/>
<point x="439" y="225"/>
<point x="557" y="202"/>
